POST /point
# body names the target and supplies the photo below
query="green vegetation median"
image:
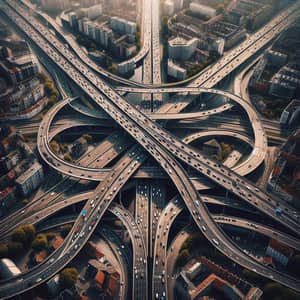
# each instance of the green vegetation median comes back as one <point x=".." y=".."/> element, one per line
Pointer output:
<point x="226" y="150"/>
<point x="54" y="146"/>
<point x="88" y="138"/>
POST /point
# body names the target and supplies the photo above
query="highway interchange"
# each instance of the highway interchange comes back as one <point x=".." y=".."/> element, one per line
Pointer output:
<point x="168" y="151"/>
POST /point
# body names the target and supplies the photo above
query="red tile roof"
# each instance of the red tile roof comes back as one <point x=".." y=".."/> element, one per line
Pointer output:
<point x="99" y="279"/>
<point x="268" y="260"/>
<point x="5" y="191"/>
<point x="39" y="257"/>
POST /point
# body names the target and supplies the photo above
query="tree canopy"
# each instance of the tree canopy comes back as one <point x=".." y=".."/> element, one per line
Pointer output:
<point x="40" y="242"/>
<point x="68" y="277"/>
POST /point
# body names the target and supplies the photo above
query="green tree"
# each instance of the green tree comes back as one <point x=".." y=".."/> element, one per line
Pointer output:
<point x="290" y="294"/>
<point x="40" y="242"/>
<point x="88" y="138"/>
<point x="24" y="233"/>
<point x="112" y="68"/>
<point x="226" y="148"/>
<point x="25" y="201"/>
<point x="14" y="248"/>
<point x="187" y="243"/>
<point x="64" y="148"/>
<point x="251" y="276"/>
<point x="52" y="100"/>
<point x="65" y="229"/>
<point x="67" y="157"/>
<point x="55" y="93"/>
<point x="43" y="78"/>
<point x="273" y="290"/>
<point x="48" y="87"/>
<point x="138" y="27"/>
<point x="220" y="8"/>
<point x="138" y="36"/>
<point x="19" y="235"/>
<point x="54" y="145"/>
<point x="68" y="277"/>
<point x="3" y="250"/>
<point x="30" y="231"/>
<point x="165" y="28"/>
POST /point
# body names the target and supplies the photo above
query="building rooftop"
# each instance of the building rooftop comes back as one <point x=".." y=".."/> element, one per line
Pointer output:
<point x="32" y="170"/>
<point x="40" y="256"/>
<point x="22" y="60"/>
<point x="57" y="242"/>
<point x="282" y="248"/>
<point x="217" y="283"/>
<point x="8" y="268"/>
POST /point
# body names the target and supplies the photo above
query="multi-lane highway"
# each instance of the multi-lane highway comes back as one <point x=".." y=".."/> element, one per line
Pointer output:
<point x="165" y="222"/>
<point x="112" y="95"/>
<point x="250" y="164"/>
<point x="72" y="59"/>
<point x="167" y="150"/>
<point x="81" y="231"/>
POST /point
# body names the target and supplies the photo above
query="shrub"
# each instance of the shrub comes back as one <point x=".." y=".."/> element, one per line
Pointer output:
<point x="68" y="277"/>
<point x="183" y="257"/>
<point x="88" y="138"/>
<point x="3" y="250"/>
<point x="19" y="235"/>
<point x="30" y="232"/>
<point x="40" y="242"/>
<point x="14" y="248"/>
<point x="67" y="157"/>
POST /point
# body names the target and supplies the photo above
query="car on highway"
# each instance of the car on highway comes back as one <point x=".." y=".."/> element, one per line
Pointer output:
<point x="215" y="241"/>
